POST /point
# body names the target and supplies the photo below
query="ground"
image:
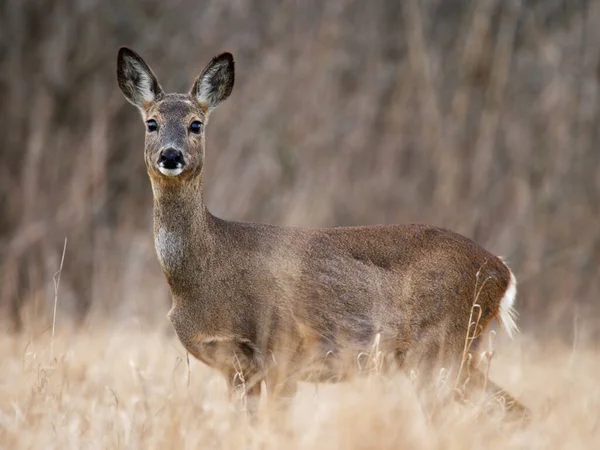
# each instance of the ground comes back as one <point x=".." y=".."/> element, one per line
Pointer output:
<point x="129" y="387"/>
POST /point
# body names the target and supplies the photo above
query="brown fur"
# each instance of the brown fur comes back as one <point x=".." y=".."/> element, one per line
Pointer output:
<point x="260" y="302"/>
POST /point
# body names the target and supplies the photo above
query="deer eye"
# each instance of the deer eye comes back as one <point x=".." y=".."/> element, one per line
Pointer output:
<point x="196" y="127"/>
<point x="152" y="125"/>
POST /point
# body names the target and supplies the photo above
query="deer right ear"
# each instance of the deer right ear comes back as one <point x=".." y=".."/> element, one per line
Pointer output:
<point x="136" y="80"/>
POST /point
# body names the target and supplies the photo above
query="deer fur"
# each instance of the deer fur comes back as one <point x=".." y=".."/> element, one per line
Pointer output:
<point x="259" y="302"/>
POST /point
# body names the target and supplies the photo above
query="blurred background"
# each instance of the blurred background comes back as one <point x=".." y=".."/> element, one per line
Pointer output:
<point x="477" y="116"/>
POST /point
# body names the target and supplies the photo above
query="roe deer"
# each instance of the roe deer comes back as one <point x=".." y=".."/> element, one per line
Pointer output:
<point x="262" y="303"/>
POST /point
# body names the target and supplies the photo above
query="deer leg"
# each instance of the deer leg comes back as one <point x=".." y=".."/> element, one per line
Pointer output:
<point x="244" y="391"/>
<point x="430" y="377"/>
<point x="280" y="393"/>
<point x="471" y="380"/>
<point x="479" y="382"/>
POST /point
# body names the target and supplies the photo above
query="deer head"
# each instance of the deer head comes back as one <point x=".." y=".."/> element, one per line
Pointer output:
<point x="175" y="123"/>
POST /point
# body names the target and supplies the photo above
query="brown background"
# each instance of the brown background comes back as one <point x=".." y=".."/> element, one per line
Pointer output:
<point x="477" y="116"/>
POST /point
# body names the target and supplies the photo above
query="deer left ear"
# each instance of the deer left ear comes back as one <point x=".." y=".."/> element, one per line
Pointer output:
<point x="215" y="83"/>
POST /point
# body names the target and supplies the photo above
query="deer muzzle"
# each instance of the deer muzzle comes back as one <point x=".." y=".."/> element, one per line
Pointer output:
<point x="171" y="162"/>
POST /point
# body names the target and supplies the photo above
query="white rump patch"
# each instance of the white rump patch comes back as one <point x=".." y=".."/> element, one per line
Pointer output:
<point x="507" y="313"/>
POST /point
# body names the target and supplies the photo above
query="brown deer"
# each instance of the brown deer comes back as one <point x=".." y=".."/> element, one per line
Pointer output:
<point x="262" y="303"/>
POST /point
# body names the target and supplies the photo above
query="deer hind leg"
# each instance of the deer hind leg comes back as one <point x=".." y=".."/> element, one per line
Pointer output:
<point x="513" y="407"/>
<point x="479" y="383"/>
<point x="472" y="380"/>
<point x="430" y="368"/>
<point x="450" y="367"/>
<point x="445" y="370"/>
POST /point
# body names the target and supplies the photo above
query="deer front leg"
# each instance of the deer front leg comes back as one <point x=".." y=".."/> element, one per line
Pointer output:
<point x="244" y="378"/>
<point x="280" y="393"/>
<point x="244" y="391"/>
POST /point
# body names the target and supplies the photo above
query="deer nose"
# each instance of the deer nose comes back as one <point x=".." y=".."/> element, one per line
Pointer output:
<point x="170" y="159"/>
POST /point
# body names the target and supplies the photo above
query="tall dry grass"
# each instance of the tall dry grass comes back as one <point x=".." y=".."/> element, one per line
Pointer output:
<point x="133" y="388"/>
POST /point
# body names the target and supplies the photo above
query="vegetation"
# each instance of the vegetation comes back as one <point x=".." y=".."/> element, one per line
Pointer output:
<point x="478" y="116"/>
<point x="133" y="388"/>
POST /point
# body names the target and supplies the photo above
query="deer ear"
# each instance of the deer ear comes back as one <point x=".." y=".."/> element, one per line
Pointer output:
<point x="136" y="80"/>
<point x="215" y="83"/>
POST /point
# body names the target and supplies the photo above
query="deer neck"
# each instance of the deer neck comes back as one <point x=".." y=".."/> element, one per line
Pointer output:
<point x="182" y="228"/>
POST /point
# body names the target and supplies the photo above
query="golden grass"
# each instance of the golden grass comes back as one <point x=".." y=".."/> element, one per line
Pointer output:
<point x="132" y="388"/>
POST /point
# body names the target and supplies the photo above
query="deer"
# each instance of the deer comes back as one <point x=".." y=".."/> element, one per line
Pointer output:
<point x="270" y="306"/>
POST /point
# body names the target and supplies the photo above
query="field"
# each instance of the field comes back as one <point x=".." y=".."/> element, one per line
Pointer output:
<point x="130" y="387"/>
<point x="481" y="117"/>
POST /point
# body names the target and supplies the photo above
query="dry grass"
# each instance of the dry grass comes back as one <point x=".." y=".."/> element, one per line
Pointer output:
<point x="132" y="388"/>
<point x="477" y="116"/>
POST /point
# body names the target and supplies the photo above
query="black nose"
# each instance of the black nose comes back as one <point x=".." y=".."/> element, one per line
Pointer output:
<point x="171" y="159"/>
